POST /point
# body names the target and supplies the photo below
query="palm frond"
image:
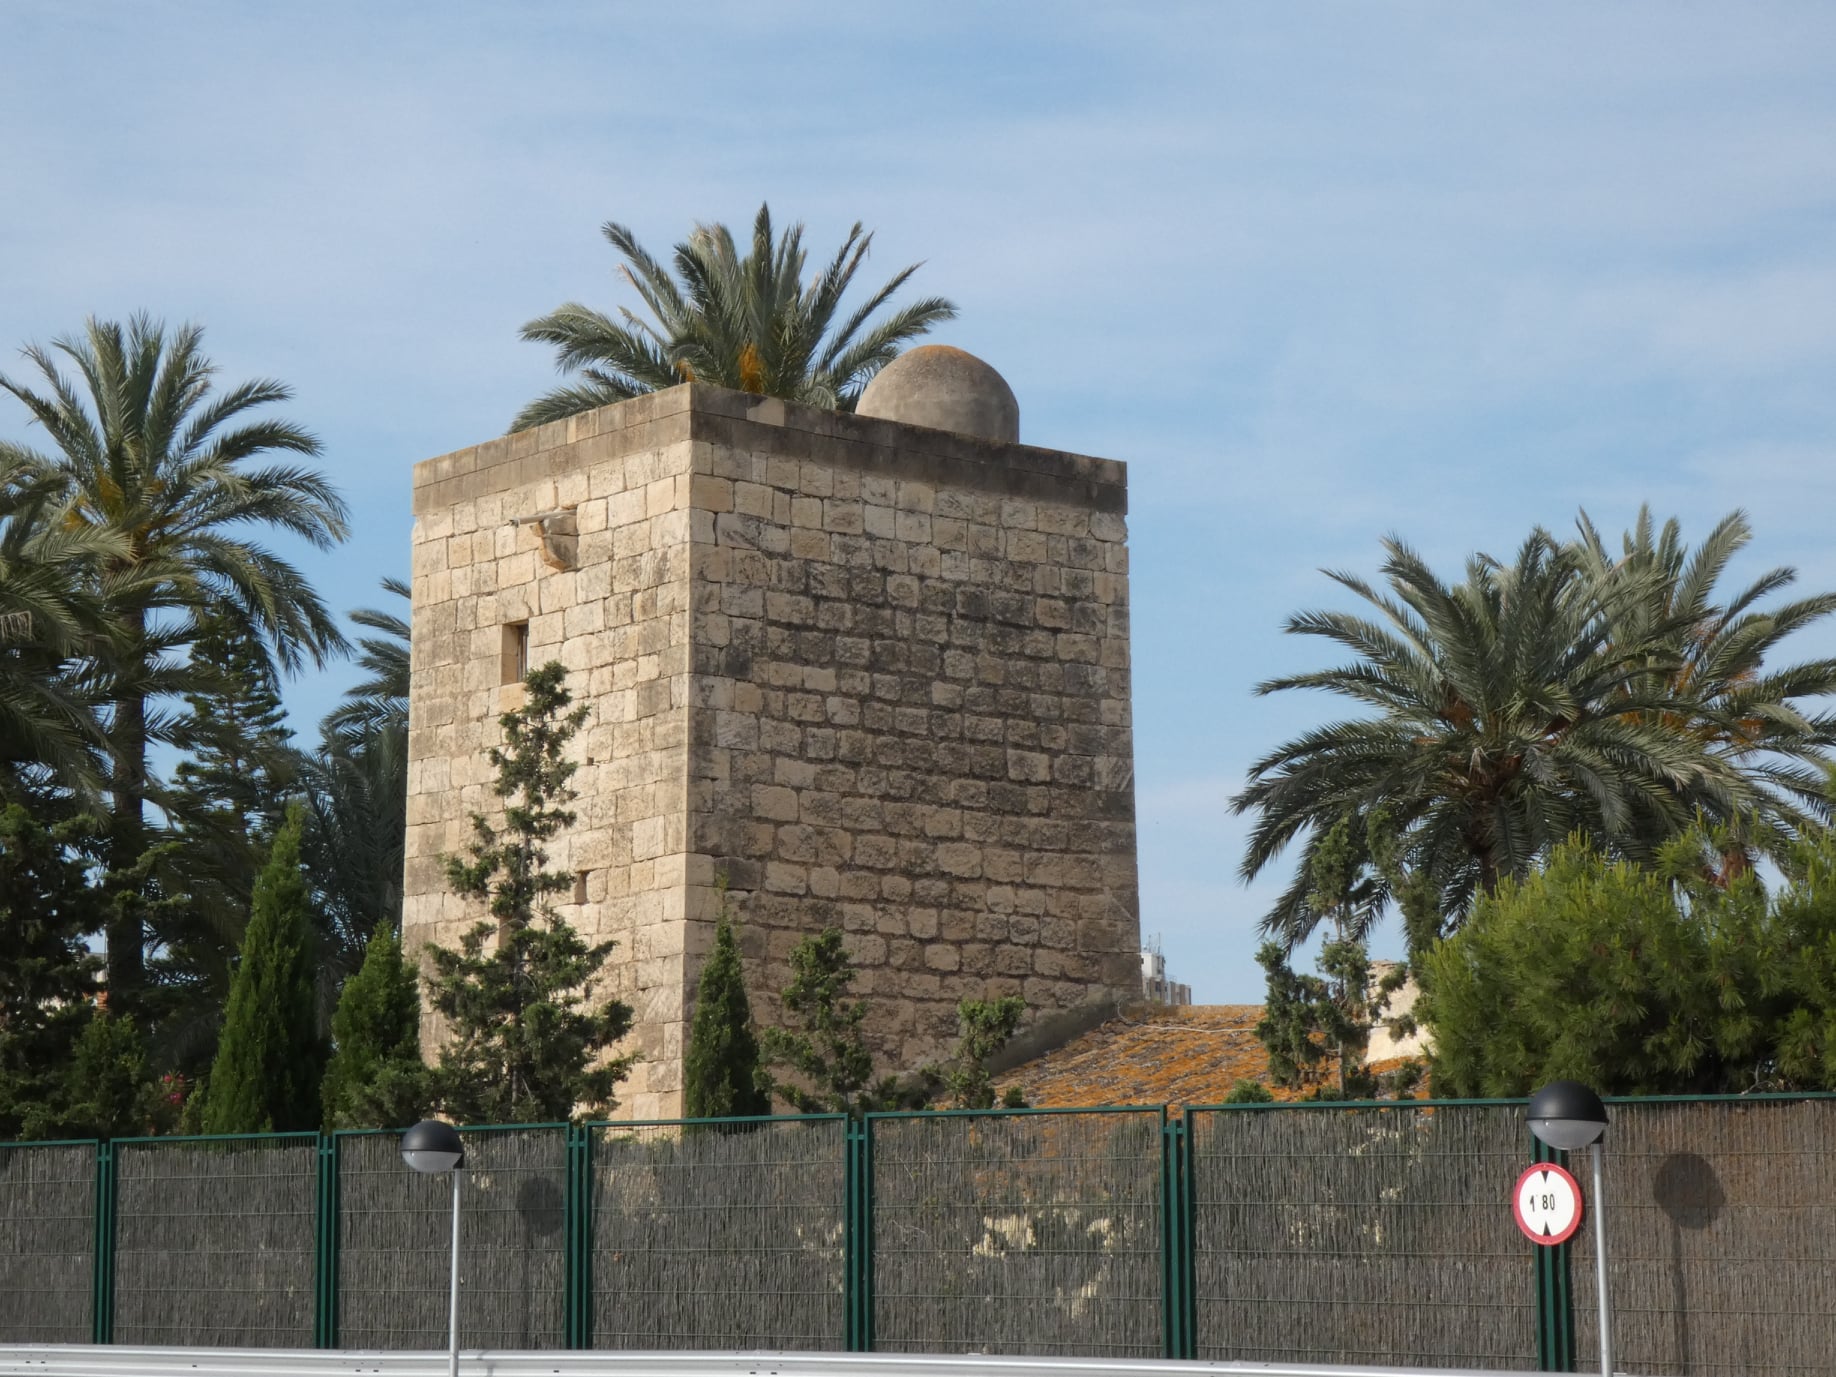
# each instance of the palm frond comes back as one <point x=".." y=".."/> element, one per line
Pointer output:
<point x="741" y="319"/>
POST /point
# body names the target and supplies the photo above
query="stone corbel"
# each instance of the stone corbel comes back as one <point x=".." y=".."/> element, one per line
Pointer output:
<point x="559" y="534"/>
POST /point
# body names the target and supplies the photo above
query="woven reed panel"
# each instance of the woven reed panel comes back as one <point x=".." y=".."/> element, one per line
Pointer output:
<point x="214" y="1243"/>
<point x="395" y="1243"/>
<point x="1362" y="1236"/>
<point x="719" y="1238"/>
<point x="47" y="1244"/>
<point x="1721" y="1238"/>
<point x="1025" y="1233"/>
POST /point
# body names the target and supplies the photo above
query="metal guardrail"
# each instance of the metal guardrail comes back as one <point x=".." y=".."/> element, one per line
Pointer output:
<point x="84" y="1360"/>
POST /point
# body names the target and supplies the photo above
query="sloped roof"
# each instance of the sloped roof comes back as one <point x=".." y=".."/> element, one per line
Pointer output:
<point x="1150" y="1054"/>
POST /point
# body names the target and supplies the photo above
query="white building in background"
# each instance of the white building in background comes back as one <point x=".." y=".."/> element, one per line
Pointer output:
<point x="1155" y="987"/>
<point x="1387" y="1041"/>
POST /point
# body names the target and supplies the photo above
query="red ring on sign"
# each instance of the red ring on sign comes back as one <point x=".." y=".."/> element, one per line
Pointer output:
<point x="1549" y="1169"/>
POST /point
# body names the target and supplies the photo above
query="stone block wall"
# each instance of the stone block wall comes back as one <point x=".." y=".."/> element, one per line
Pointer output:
<point x="876" y="675"/>
<point x="619" y="620"/>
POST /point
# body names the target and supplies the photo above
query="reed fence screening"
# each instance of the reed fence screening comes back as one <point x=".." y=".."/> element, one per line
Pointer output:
<point x="1375" y="1233"/>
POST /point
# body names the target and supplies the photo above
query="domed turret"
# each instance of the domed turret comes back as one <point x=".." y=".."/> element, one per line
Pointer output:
<point x="946" y="389"/>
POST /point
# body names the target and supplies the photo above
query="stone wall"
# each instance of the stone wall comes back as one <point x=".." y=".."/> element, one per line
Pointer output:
<point x="619" y="621"/>
<point x="876" y="675"/>
<point x="916" y="680"/>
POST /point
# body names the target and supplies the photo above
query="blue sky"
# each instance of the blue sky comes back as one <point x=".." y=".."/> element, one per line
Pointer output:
<point x="1319" y="272"/>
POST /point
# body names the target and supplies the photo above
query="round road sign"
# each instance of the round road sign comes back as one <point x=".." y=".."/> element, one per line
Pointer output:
<point x="1547" y="1204"/>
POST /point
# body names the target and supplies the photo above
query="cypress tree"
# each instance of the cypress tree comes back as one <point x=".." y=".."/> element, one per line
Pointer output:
<point x="269" y="1057"/>
<point x="720" y="1070"/>
<point x="375" y="1078"/>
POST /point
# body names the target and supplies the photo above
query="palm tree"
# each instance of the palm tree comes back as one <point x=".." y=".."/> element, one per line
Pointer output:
<point x="747" y="322"/>
<point x="357" y="796"/>
<point x="153" y="460"/>
<point x="1714" y="654"/>
<point x="357" y="802"/>
<point x="51" y="629"/>
<point x="380" y="701"/>
<point x="1508" y="711"/>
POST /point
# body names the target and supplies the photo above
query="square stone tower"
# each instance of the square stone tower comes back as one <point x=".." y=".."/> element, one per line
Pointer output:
<point x="875" y="674"/>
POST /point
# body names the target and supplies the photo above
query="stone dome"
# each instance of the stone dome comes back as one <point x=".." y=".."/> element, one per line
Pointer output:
<point x="945" y="389"/>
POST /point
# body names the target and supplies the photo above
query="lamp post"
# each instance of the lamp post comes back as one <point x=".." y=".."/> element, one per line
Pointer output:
<point x="1569" y="1115"/>
<point x="433" y="1147"/>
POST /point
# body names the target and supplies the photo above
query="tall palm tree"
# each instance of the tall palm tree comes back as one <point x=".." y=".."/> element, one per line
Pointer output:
<point x="357" y="795"/>
<point x="52" y="628"/>
<point x="1715" y="655"/>
<point x="745" y="321"/>
<point x="357" y="801"/>
<point x="150" y="457"/>
<point x="1504" y="715"/>
<point x="381" y="700"/>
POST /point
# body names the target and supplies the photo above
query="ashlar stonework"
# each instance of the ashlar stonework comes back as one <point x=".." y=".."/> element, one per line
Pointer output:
<point x="875" y="674"/>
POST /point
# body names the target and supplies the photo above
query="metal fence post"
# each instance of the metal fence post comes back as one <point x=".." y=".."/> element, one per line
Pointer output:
<point x="857" y="1233"/>
<point x="325" y="1247"/>
<point x="1555" y="1314"/>
<point x="102" y="1291"/>
<point x="1179" y="1307"/>
<point x="577" y="1240"/>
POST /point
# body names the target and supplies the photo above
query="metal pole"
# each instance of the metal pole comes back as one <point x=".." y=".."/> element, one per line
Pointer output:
<point x="452" y="1312"/>
<point x="1600" y="1262"/>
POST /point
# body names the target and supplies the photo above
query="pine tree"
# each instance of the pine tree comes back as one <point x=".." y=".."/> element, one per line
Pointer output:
<point x="270" y="1056"/>
<point x="47" y="972"/>
<point x="109" y="1089"/>
<point x="241" y="766"/>
<point x="376" y="1078"/>
<point x="1317" y="1028"/>
<point x="1643" y="981"/>
<point x="828" y="1050"/>
<point x="984" y="1027"/>
<point x="720" y="1071"/>
<point x="228" y="798"/>
<point x="522" y="1040"/>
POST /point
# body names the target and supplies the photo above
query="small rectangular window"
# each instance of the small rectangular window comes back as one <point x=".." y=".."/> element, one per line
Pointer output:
<point x="515" y="662"/>
<point x="580" y="883"/>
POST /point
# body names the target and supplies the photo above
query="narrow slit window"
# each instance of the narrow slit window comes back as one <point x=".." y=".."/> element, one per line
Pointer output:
<point x="580" y="884"/>
<point x="515" y="665"/>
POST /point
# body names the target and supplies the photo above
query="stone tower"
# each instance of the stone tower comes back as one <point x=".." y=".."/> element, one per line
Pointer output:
<point x="875" y="672"/>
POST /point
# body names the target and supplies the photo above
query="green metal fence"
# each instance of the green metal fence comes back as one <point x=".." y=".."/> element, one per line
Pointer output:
<point x="1017" y="1233"/>
<point x="1375" y="1233"/>
<point x="395" y="1229"/>
<point x="47" y="1242"/>
<point x="1374" y="1236"/>
<point x="1720" y="1217"/>
<point x="214" y="1241"/>
<point x="731" y="1234"/>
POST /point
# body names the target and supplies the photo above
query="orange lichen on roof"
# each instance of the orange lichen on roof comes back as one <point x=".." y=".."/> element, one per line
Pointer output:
<point x="1150" y="1054"/>
<point x="1155" y="1054"/>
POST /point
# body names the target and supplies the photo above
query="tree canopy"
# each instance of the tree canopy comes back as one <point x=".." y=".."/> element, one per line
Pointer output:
<point x="1561" y="692"/>
<point x="721" y="1072"/>
<point x="745" y="320"/>
<point x="167" y="476"/>
<point x="526" y="1040"/>
<point x="1640" y="980"/>
<point x="269" y="1060"/>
